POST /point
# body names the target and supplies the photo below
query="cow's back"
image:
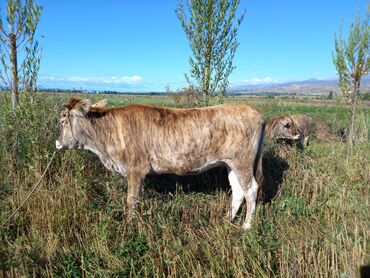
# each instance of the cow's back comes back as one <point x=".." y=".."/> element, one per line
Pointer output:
<point x="184" y="140"/>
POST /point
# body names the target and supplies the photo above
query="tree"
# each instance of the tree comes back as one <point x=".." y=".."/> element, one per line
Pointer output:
<point x="352" y="61"/>
<point x="330" y="95"/>
<point x="30" y="68"/>
<point x="211" y="29"/>
<point x="18" y="36"/>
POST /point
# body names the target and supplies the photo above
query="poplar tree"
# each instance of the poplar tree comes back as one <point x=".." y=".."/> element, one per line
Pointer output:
<point x="352" y="61"/>
<point x="16" y="37"/>
<point x="211" y="29"/>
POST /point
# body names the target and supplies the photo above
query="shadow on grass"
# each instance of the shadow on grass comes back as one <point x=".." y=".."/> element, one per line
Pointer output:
<point x="206" y="182"/>
<point x="216" y="179"/>
<point x="274" y="168"/>
<point x="209" y="182"/>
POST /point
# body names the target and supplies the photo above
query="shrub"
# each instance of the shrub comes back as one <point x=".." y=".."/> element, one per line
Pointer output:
<point x="185" y="97"/>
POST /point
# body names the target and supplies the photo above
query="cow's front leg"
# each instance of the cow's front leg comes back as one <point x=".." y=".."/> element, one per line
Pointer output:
<point x="305" y="141"/>
<point x="135" y="185"/>
<point x="237" y="195"/>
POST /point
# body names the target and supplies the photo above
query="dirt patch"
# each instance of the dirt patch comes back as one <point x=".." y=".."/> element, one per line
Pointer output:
<point x="325" y="134"/>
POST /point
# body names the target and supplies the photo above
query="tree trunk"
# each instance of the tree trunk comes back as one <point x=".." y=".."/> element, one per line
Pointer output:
<point x="14" y="68"/>
<point x="352" y="126"/>
<point x="220" y="96"/>
<point x="205" y="89"/>
<point x="207" y="69"/>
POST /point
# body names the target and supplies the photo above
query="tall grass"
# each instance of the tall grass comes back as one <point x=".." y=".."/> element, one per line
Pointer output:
<point x="316" y="223"/>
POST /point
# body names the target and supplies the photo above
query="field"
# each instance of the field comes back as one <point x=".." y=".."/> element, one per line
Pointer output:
<point x="314" y="223"/>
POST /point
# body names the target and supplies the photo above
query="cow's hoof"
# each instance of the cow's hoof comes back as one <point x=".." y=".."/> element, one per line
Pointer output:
<point x="247" y="226"/>
<point x="58" y="146"/>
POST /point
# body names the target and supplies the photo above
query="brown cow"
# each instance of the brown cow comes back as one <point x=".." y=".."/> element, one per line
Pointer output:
<point x="137" y="140"/>
<point x="282" y="128"/>
<point x="304" y="126"/>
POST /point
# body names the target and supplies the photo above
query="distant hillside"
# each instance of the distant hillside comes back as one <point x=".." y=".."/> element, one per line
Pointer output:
<point x="306" y="87"/>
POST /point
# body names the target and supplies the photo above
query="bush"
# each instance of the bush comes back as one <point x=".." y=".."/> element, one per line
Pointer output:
<point x="331" y="95"/>
<point x="185" y="97"/>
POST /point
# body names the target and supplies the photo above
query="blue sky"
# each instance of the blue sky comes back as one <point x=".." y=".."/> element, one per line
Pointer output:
<point x="140" y="45"/>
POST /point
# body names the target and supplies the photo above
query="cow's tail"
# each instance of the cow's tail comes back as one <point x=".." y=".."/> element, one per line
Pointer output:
<point x="258" y="171"/>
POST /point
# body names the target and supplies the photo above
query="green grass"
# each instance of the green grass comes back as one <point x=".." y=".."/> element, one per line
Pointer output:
<point x="316" y="223"/>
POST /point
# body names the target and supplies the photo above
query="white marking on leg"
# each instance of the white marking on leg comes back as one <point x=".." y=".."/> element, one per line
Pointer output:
<point x="250" y="197"/>
<point x="237" y="195"/>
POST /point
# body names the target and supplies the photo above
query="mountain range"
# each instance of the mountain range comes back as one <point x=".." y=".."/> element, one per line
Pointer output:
<point x="305" y="87"/>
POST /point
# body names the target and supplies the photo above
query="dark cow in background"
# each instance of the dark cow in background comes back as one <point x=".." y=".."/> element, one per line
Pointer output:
<point x="137" y="140"/>
<point x="281" y="128"/>
<point x="304" y="125"/>
<point x="290" y="129"/>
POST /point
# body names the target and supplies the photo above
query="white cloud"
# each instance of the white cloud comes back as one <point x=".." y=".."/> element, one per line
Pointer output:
<point x="100" y="83"/>
<point x="122" y="79"/>
<point x="258" y="81"/>
<point x="106" y="79"/>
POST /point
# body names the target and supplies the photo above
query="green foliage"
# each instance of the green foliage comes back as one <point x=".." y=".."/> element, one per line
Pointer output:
<point x="352" y="55"/>
<point x="18" y="39"/>
<point x="352" y="61"/>
<point x="211" y="30"/>
<point x="30" y="67"/>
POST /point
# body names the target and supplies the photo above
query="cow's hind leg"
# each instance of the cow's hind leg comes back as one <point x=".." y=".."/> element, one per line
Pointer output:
<point x="237" y="195"/>
<point x="251" y="198"/>
<point x="135" y="185"/>
<point x="249" y="187"/>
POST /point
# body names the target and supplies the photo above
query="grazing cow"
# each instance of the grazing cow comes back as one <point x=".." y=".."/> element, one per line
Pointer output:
<point x="282" y="128"/>
<point x="137" y="140"/>
<point x="304" y="126"/>
<point x="100" y="104"/>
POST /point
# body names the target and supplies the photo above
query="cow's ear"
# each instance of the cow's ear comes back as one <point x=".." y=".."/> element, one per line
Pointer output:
<point x="101" y="104"/>
<point x="71" y="103"/>
<point x="82" y="107"/>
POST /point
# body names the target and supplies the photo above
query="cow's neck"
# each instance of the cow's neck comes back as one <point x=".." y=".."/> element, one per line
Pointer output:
<point x="91" y="137"/>
<point x="96" y="138"/>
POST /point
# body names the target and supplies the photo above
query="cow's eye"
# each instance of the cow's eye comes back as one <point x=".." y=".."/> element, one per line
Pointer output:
<point x="63" y="119"/>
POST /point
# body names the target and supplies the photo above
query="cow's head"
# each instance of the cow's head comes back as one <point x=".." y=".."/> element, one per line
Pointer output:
<point x="72" y="121"/>
<point x="282" y="127"/>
